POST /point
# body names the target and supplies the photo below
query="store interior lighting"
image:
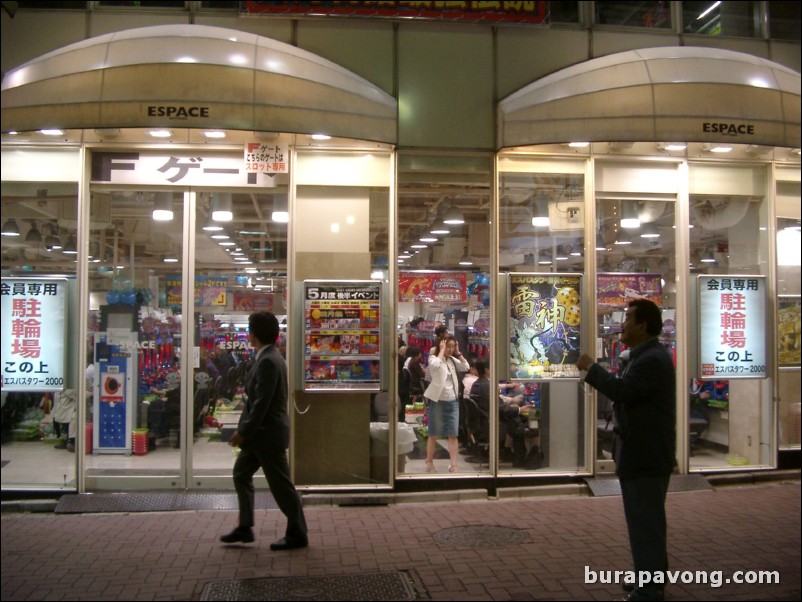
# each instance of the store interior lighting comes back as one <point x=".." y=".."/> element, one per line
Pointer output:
<point x="629" y="216"/>
<point x="650" y="231"/>
<point x="221" y="207"/>
<point x="540" y="214"/>
<point x="622" y="238"/>
<point x="70" y="247"/>
<point x="10" y="228"/>
<point x="600" y="246"/>
<point x="280" y="214"/>
<point x="163" y="207"/>
<point x="34" y="236"/>
<point x="453" y="216"/>
<point x="707" y="257"/>
<point x="210" y="225"/>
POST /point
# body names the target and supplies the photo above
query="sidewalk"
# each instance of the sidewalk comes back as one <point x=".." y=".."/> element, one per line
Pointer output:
<point x="516" y="549"/>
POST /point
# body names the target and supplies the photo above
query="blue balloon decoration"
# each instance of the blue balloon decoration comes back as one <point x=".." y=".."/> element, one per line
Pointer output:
<point x="128" y="298"/>
<point x="485" y="279"/>
<point x="112" y="297"/>
<point x="471" y="286"/>
<point x="477" y="277"/>
<point x="486" y="301"/>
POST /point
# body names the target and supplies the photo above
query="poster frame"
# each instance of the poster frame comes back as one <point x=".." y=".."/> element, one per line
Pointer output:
<point x="575" y="375"/>
<point x="372" y="385"/>
<point x="703" y="341"/>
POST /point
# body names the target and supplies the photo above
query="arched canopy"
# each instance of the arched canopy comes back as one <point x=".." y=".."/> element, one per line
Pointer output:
<point x="681" y="94"/>
<point x="194" y="76"/>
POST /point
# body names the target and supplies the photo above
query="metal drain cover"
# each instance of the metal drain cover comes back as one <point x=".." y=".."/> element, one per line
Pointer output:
<point x="481" y="536"/>
<point x="371" y="586"/>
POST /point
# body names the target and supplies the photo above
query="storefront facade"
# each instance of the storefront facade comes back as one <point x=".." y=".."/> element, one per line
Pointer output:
<point x="335" y="236"/>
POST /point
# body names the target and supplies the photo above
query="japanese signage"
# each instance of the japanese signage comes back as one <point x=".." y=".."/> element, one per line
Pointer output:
<point x="210" y="291"/>
<point x="544" y="325"/>
<point x="267" y="158"/>
<point x="433" y="287"/>
<point x="33" y="334"/>
<point x="615" y="291"/>
<point x="467" y="10"/>
<point x="192" y="168"/>
<point x="251" y="302"/>
<point x="732" y="327"/>
<point x="342" y="335"/>
<point x="788" y="330"/>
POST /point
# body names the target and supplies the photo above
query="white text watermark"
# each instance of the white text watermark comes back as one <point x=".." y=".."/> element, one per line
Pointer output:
<point x="712" y="578"/>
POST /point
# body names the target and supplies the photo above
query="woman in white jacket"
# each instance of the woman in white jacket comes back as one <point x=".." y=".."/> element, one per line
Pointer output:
<point x="443" y="395"/>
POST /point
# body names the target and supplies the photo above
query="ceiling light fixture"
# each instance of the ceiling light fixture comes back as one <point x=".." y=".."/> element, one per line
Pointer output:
<point x="453" y="216"/>
<point x="52" y="132"/>
<point x="160" y="133"/>
<point x="623" y="239"/>
<point x="214" y="134"/>
<point x="540" y="215"/>
<point x="210" y="225"/>
<point x="440" y="229"/>
<point x="10" y="228"/>
<point x="629" y="216"/>
<point x="221" y="207"/>
<point x="650" y="231"/>
<point x="163" y="207"/>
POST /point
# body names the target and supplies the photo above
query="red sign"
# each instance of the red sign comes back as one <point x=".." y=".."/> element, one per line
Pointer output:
<point x="433" y="287"/>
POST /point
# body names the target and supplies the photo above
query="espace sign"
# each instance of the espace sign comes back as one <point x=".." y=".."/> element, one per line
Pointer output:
<point x="726" y="128"/>
<point x="177" y="111"/>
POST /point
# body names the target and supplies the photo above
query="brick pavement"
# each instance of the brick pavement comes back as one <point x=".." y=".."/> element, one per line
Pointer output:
<point x="172" y="555"/>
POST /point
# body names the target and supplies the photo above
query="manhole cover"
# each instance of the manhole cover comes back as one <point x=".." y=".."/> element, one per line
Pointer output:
<point x="372" y="586"/>
<point x="481" y="536"/>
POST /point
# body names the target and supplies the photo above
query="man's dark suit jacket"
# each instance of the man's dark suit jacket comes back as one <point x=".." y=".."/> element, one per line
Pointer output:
<point x="645" y="408"/>
<point x="264" y="423"/>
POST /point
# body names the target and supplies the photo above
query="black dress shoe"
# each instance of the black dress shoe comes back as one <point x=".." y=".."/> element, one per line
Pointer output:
<point x="238" y="535"/>
<point x="289" y="544"/>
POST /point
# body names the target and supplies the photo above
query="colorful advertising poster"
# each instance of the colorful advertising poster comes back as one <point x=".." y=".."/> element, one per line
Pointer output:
<point x="342" y="335"/>
<point x="433" y="287"/>
<point x="732" y="327"/>
<point x="788" y="330"/>
<point x="210" y="291"/>
<point x="544" y="325"/>
<point x="33" y="334"/>
<point x="615" y="291"/>
<point x="251" y="302"/>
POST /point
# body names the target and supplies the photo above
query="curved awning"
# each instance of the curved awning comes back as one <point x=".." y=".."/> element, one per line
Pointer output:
<point x="194" y="76"/>
<point x="660" y="95"/>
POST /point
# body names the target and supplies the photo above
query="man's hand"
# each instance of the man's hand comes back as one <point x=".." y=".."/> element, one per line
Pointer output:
<point x="584" y="362"/>
<point x="236" y="440"/>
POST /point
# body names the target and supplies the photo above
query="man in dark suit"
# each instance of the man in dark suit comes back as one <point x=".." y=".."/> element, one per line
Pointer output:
<point x="263" y="435"/>
<point x="644" y="399"/>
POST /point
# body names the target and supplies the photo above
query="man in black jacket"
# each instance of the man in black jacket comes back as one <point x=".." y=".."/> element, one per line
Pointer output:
<point x="263" y="435"/>
<point x="644" y="399"/>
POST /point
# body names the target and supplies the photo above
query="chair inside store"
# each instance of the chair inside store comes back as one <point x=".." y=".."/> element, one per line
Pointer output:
<point x="478" y="432"/>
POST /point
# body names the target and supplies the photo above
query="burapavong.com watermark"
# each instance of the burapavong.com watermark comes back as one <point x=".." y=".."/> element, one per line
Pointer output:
<point x="712" y="578"/>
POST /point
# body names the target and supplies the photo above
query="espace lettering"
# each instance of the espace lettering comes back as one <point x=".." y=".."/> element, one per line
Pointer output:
<point x="177" y="112"/>
<point x="728" y="129"/>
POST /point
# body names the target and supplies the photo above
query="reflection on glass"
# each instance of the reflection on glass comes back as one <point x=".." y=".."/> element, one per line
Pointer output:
<point x="39" y="422"/>
<point x="240" y="268"/>
<point x="134" y="347"/>
<point x="444" y="283"/>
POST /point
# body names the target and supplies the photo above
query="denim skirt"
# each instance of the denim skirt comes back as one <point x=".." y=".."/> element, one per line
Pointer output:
<point x="443" y="418"/>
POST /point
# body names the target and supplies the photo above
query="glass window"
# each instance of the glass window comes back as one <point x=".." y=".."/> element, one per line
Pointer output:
<point x="564" y="12"/>
<point x="741" y="19"/>
<point x="240" y="268"/>
<point x="541" y="255"/>
<point x="635" y="258"/>
<point x="788" y="305"/>
<point x="40" y="371"/>
<point x="633" y="14"/>
<point x="730" y="419"/>
<point x="134" y="343"/>
<point x="784" y="21"/>
<point x="444" y="279"/>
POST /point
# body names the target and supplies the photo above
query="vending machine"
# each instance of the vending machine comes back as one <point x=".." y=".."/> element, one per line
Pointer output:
<point x="115" y="391"/>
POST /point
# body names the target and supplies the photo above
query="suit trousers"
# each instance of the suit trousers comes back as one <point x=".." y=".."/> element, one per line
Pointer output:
<point x="277" y="471"/>
<point x="645" y="511"/>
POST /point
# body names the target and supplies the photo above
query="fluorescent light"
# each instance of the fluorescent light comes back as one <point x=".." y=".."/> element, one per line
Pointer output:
<point x="280" y="217"/>
<point x="320" y="137"/>
<point x="221" y="207"/>
<point x="160" y="133"/>
<point x="214" y="134"/>
<point x="163" y="207"/>
<point x="579" y="144"/>
<point x="52" y="132"/>
<point x="710" y="8"/>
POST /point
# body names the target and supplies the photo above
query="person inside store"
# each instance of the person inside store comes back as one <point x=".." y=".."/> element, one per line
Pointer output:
<point x="480" y="395"/>
<point x="410" y="381"/>
<point x="442" y="395"/>
<point x="263" y="436"/>
<point x="644" y="398"/>
<point x="440" y="331"/>
<point x="513" y="425"/>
